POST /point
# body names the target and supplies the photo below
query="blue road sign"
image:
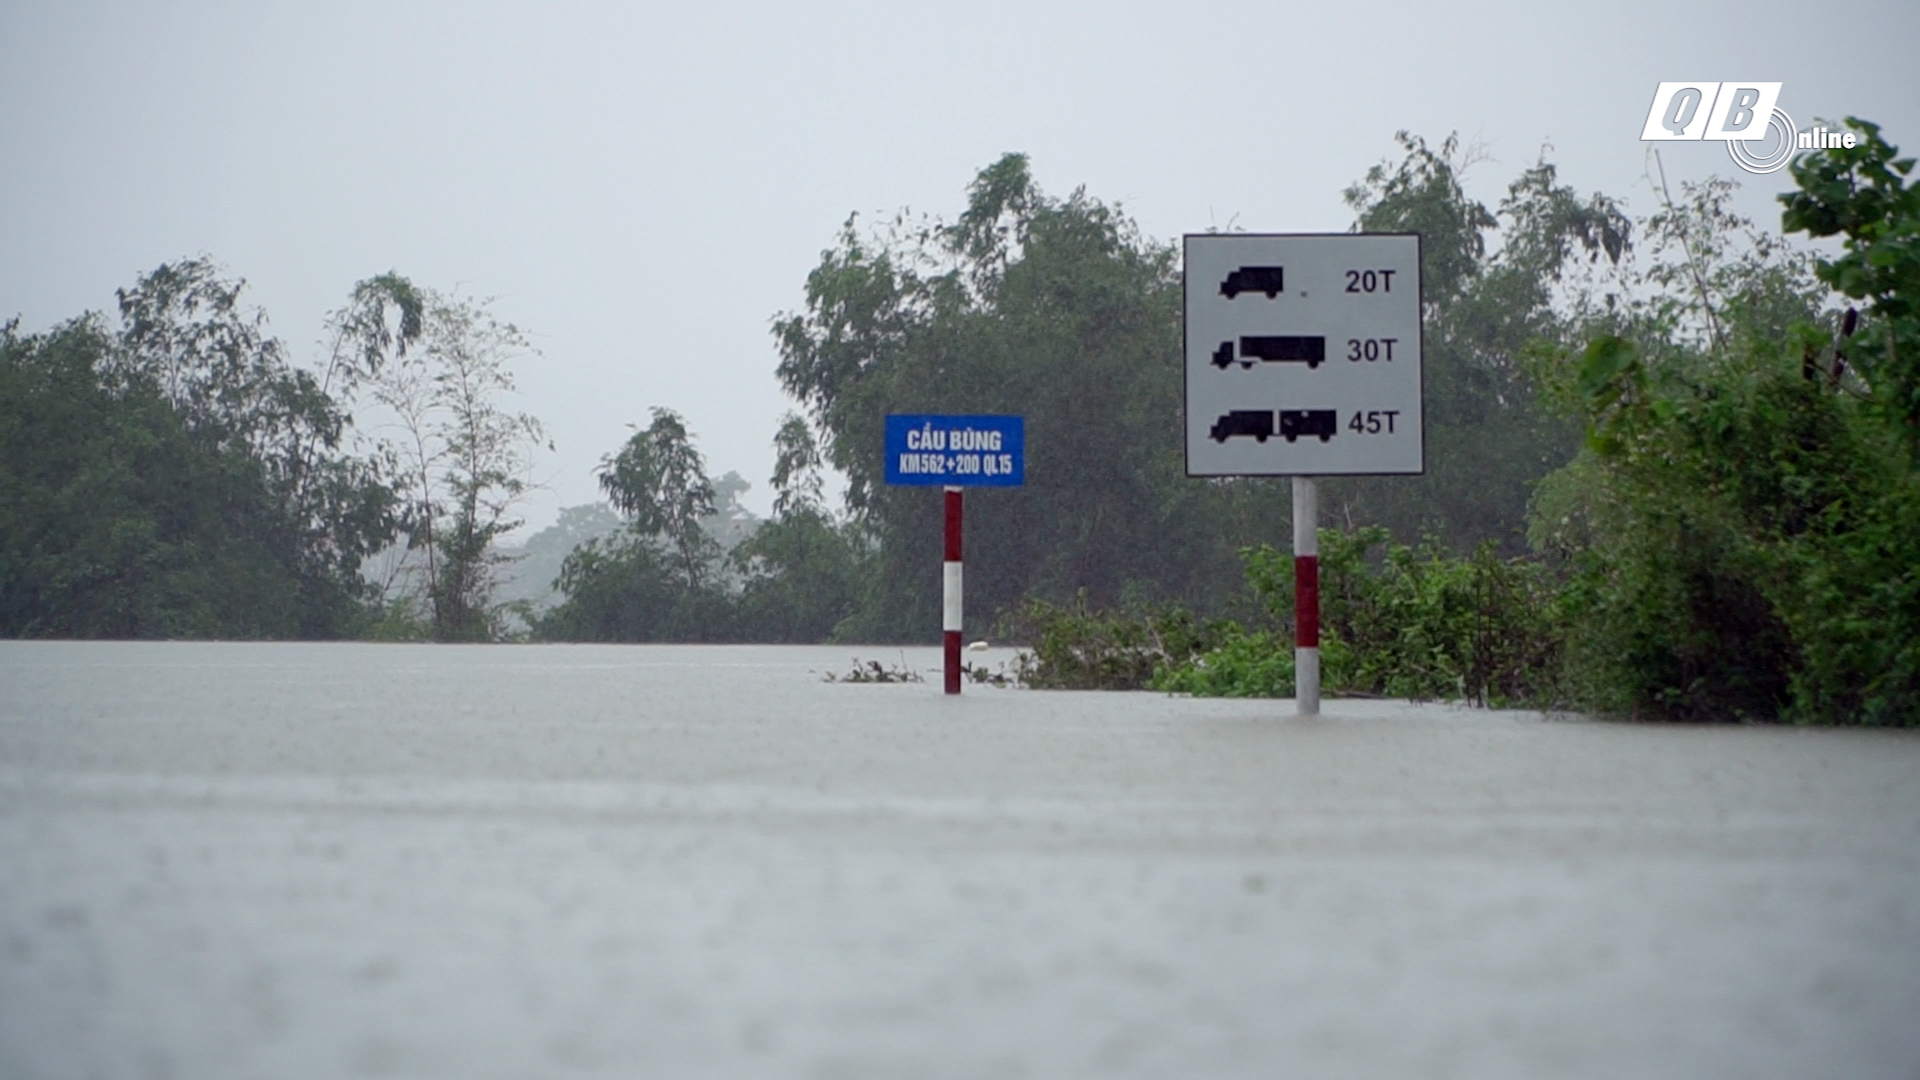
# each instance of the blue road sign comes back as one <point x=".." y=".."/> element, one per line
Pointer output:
<point x="957" y="451"/>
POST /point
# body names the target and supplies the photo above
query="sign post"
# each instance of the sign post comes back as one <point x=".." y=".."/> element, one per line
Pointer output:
<point x="952" y="609"/>
<point x="1306" y="596"/>
<point x="953" y="452"/>
<point x="1303" y="359"/>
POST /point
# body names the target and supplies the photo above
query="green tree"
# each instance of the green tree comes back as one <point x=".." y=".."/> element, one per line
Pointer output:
<point x="461" y="460"/>
<point x="797" y="480"/>
<point x="801" y="576"/>
<point x="1056" y="309"/>
<point x="659" y="481"/>
<point x="660" y="577"/>
<point x="1861" y="194"/>
<point x="1059" y="310"/>
<point x="801" y="570"/>
<point x="1489" y="438"/>
<point x="1742" y="524"/>
<point x="176" y="476"/>
<point x="617" y="588"/>
<point x="184" y="329"/>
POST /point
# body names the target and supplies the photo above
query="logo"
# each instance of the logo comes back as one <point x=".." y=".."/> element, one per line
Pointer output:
<point x="1760" y="136"/>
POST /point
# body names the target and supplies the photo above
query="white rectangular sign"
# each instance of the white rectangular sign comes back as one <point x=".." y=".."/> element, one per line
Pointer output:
<point x="1303" y="354"/>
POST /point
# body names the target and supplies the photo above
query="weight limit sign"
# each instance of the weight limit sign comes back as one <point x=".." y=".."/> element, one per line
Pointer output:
<point x="1303" y="355"/>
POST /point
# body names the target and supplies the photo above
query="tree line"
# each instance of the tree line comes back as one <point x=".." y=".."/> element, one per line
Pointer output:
<point x="1682" y="449"/>
<point x="171" y="473"/>
<point x="1059" y="309"/>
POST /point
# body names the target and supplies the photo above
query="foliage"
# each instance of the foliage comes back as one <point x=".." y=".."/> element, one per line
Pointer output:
<point x="627" y="587"/>
<point x="659" y="481"/>
<point x="1059" y="310"/>
<point x="461" y="462"/>
<point x="731" y="523"/>
<point x="801" y="577"/>
<point x="651" y="580"/>
<point x="1414" y="622"/>
<point x="1489" y="437"/>
<point x="1422" y="622"/>
<point x="248" y="511"/>
<point x="664" y="576"/>
<point x="1244" y="664"/>
<point x="1740" y="531"/>
<point x="176" y="476"/>
<point x="797" y="483"/>
<point x="1053" y="308"/>
<point x="1073" y="647"/>
<point x="1750" y="550"/>
<point x="1860" y="193"/>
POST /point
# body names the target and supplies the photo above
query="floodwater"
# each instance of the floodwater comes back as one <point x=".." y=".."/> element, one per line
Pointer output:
<point x="266" y="860"/>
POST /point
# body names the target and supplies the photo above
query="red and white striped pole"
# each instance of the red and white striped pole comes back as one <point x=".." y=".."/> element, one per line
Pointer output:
<point x="950" y="617"/>
<point x="1306" y="596"/>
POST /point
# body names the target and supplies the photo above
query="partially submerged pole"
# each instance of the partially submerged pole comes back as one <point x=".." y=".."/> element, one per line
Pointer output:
<point x="1306" y="596"/>
<point x="951" y="616"/>
<point x="954" y="453"/>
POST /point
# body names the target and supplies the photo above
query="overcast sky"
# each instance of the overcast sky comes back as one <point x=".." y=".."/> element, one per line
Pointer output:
<point x="644" y="186"/>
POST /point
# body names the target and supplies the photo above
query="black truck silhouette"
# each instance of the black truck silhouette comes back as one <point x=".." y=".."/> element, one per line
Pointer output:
<point x="1257" y="423"/>
<point x="1297" y="422"/>
<point x="1311" y="351"/>
<point x="1267" y="279"/>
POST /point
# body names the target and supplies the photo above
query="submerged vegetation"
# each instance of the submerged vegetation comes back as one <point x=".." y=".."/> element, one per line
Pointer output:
<point x="873" y="671"/>
<point x="1396" y="621"/>
<point x="1673" y="463"/>
<point x="1735" y="539"/>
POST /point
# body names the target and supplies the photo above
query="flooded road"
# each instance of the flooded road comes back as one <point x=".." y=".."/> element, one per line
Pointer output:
<point x="262" y="860"/>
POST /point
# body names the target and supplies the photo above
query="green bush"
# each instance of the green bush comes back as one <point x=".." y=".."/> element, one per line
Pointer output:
<point x="1407" y="622"/>
<point x="1747" y="552"/>
<point x="1074" y="648"/>
<point x="1741" y="530"/>
<point x="1422" y="622"/>
<point x="1258" y="664"/>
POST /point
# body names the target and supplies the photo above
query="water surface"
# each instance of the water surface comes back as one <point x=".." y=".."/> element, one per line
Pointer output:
<point x="244" y="860"/>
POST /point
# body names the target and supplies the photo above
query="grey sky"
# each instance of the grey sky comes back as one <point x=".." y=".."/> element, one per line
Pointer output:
<point x="644" y="186"/>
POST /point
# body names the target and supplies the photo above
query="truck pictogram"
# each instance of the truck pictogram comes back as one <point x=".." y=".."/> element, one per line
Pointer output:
<point x="1297" y="422"/>
<point x="1311" y="351"/>
<point x="1263" y="279"/>
<point x="1255" y="422"/>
